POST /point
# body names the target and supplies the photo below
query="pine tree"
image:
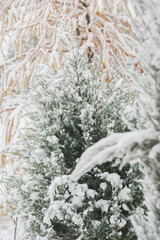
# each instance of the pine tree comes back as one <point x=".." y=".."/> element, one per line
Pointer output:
<point x="68" y="111"/>
<point x="31" y="35"/>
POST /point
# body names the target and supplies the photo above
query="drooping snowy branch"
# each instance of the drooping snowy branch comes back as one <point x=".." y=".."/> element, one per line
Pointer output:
<point x="121" y="145"/>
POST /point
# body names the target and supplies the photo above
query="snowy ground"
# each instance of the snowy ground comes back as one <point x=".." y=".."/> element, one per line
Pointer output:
<point x="7" y="229"/>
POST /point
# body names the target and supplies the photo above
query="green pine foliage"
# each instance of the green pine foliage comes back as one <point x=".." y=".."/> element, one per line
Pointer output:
<point x="66" y="114"/>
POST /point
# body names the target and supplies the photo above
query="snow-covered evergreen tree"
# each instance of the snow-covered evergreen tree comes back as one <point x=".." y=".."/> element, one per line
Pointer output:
<point x="143" y="145"/>
<point x="30" y="36"/>
<point x="68" y="111"/>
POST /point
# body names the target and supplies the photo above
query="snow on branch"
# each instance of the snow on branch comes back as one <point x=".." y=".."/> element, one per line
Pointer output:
<point x="109" y="148"/>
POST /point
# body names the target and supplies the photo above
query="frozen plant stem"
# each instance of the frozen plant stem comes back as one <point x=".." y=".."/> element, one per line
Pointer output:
<point x="15" y="229"/>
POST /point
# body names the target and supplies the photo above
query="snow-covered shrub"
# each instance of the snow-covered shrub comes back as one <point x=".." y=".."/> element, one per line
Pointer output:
<point x="68" y="111"/>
